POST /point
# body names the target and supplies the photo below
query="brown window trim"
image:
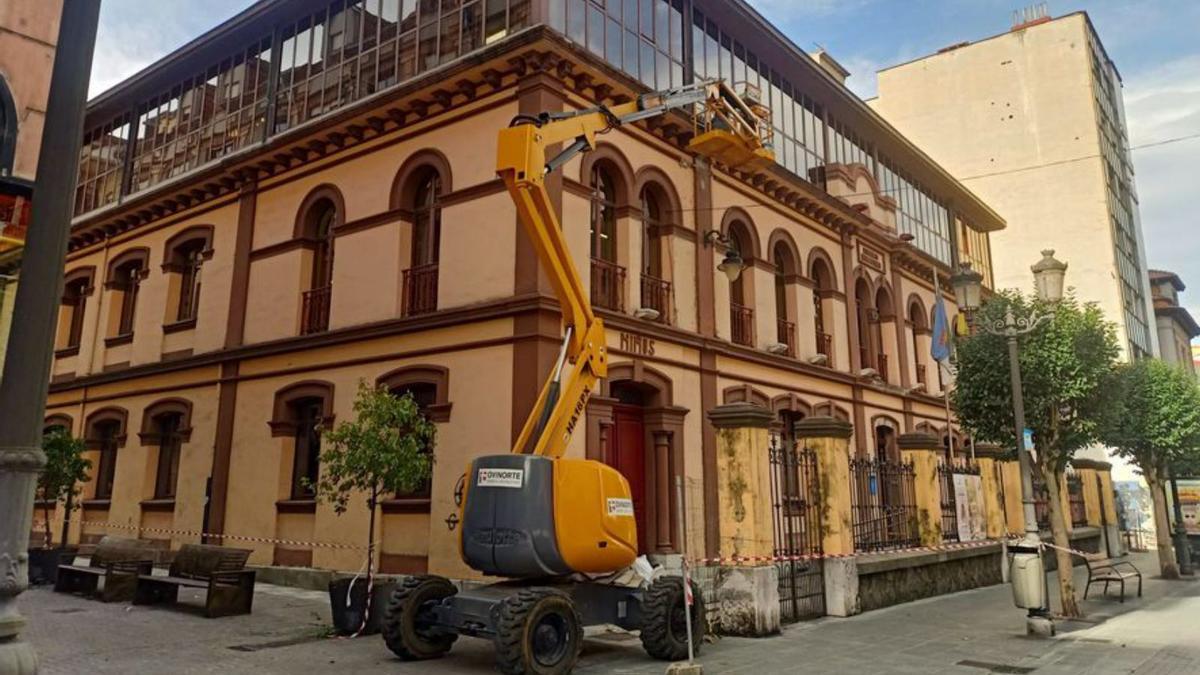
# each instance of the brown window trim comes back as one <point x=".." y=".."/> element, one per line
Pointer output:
<point x="166" y="505"/>
<point x="66" y="351"/>
<point x="296" y="506"/>
<point x="97" y="504"/>
<point x="282" y="421"/>
<point x="179" y="326"/>
<point x="407" y="505"/>
<point x="149" y="435"/>
<point x="118" y="340"/>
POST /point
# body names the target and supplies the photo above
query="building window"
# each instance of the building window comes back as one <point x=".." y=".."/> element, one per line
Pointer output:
<point x="320" y="217"/>
<point x="105" y="435"/>
<point x="306" y="458"/>
<point x="785" y="267"/>
<point x="822" y="276"/>
<point x="125" y="275"/>
<point x="169" y="446"/>
<point x="186" y="254"/>
<point x="429" y="387"/>
<point x="741" y="302"/>
<point x="608" y="278"/>
<point x="424" y="394"/>
<point x="76" y="289"/>
<point x="421" y="278"/>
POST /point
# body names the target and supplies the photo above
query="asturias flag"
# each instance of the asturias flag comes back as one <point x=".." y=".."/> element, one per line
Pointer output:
<point x="941" y="332"/>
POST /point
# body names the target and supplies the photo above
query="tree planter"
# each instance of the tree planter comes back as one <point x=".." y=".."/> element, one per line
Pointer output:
<point x="347" y="617"/>
<point x="44" y="562"/>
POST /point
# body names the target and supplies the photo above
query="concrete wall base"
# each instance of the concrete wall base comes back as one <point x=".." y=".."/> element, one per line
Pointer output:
<point x="747" y="601"/>
<point x="841" y="587"/>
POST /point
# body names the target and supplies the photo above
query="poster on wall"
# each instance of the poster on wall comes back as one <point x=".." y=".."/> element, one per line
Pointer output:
<point x="1189" y="502"/>
<point x="968" y="502"/>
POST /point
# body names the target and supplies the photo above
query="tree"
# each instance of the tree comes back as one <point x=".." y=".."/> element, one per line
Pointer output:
<point x="1064" y="366"/>
<point x="62" y="477"/>
<point x="1155" y="423"/>
<point x="386" y="449"/>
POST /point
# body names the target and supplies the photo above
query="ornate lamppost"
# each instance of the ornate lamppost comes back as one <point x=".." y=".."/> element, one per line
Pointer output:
<point x="1028" y="575"/>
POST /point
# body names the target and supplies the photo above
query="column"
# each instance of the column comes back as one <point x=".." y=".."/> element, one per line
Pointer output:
<point x="989" y="458"/>
<point x="747" y="594"/>
<point x="1108" y="499"/>
<point x="829" y="439"/>
<point x="922" y="450"/>
<point x="664" y="485"/>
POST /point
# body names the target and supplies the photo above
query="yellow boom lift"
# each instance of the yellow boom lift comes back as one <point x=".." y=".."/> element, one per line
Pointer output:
<point x="546" y="523"/>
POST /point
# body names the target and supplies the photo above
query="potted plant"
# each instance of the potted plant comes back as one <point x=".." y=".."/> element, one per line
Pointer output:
<point x="384" y="450"/>
<point x="59" y="482"/>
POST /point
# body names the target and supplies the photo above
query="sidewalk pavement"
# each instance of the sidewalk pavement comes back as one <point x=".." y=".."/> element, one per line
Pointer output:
<point x="973" y="632"/>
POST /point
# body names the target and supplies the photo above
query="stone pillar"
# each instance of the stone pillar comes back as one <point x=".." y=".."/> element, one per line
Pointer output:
<point x="829" y="439"/>
<point x="922" y="450"/>
<point x="747" y="594"/>
<point x="663" y="490"/>
<point x="988" y="456"/>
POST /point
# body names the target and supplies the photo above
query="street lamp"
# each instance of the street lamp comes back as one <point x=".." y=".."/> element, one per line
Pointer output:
<point x="733" y="265"/>
<point x="1028" y="571"/>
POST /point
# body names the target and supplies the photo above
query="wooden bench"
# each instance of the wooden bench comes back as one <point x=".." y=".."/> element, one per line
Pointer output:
<point x="1102" y="569"/>
<point x="219" y="570"/>
<point x="116" y="560"/>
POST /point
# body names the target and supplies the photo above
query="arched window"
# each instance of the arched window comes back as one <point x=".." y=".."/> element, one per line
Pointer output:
<point x="822" y="277"/>
<point x="656" y="289"/>
<point x="608" y="278"/>
<point x="883" y="312"/>
<point x="429" y="388"/>
<point x="300" y="412"/>
<point x="785" y="266"/>
<point x="318" y="226"/>
<point x="421" y="279"/>
<point x="864" y="310"/>
<point x="125" y="275"/>
<point x="106" y="434"/>
<point x="741" y="310"/>
<point x="185" y="254"/>
<point x="76" y="289"/>
<point x="167" y="425"/>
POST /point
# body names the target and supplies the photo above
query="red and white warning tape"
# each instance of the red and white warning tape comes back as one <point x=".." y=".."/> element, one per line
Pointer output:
<point x="214" y="536"/>
<point x="737" y="560"/>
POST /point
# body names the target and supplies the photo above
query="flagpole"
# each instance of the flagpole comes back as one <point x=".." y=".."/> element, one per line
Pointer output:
<point x="937" y="291"/>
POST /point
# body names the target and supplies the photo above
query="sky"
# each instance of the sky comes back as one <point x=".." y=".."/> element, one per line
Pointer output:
<point x="1152" y="43"/>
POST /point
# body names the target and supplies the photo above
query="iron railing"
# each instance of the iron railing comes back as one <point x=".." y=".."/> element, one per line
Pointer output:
<point x="883" y="504"/>
<point x="795" y="501"/>
<point x="949" y="497"/>
<point x="881" y="364"/>
<point x="785" y="333"/>
<point x="1041" y="500"/>
<point x="921" y="373"/>
<point x="825" y="346"/>
<point x="741" y="322"/>
<point x="608" y="285"/>
<point x="420" y="290"/>
<point x="314" y="311"/>
<point x="1075" y="497"/>
<point x="656" y="295"/>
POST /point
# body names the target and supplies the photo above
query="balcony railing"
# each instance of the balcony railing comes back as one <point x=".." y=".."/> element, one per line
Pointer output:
<point x="825" y="346"/>
<point x="420" y="290"/>
<point x="608" y="285"/>
<point x="785" y="333"/>
<point x="314" y="314"/>
<point x="656" y="295"/>
<point x="741" y="324"/>
<point x="921" y="374"/>
<point x="881" y="364"/>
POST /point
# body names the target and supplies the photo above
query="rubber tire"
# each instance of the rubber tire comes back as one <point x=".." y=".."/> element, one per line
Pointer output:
<point x="660" y="641"/>
<point x="516" y="616"/>
<point x="400" y="631"/>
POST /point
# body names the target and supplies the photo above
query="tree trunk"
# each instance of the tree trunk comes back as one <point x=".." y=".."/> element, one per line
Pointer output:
<point x="46" y="525"/>
<point x="1162" y="528"/>
<point x="1058" y="528"/>
<point x="372" y="504"/>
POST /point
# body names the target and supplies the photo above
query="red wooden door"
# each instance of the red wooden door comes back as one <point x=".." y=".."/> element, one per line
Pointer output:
<point x="628" y="455"/>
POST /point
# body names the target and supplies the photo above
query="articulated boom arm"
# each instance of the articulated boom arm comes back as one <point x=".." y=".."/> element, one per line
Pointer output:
<point x="523" y="166"/>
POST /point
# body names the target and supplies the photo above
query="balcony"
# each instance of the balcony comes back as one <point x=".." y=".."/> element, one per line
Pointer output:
<point x="314" y="313"/>
<point x="825" y="346"/>
<point x="656" y="295"/>
<point x="881" y="364"/>
<point x="921" y="376"/>
<point x="420" y="290"/>
<point x="608" y="285"/>
<point x="785" y="334"/>
<point x="741" y="324"/>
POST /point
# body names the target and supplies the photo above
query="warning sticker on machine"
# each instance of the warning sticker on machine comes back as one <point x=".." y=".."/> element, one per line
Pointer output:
<point x="620" y="507"/>
<point x="501" y="478"/>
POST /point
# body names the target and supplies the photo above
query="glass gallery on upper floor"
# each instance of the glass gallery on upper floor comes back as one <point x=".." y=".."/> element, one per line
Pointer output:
<point x="281" y="63"/>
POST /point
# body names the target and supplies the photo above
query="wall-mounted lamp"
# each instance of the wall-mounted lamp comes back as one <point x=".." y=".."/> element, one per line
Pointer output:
<point x="732" y="265"/>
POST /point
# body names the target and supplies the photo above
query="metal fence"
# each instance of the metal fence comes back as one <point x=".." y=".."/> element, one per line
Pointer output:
<point x="949" y="497"/>
<point x="795" y="501"/>
<point x="883" y="504"/>
<point x="1041" y="500"/>
<point x="1075" y="496"/>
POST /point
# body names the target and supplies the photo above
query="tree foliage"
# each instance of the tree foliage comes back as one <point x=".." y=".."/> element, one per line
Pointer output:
<point x="64" y="474"/>
<point x="386" y="449"/>
<point x="1064" y="368"/>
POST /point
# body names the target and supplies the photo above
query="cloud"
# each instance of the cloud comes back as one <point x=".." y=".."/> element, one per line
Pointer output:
<point x="1161" y="103"/>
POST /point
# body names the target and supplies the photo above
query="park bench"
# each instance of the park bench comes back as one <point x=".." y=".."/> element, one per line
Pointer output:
<point x="1102" y="569"/>
<point x="116" y="560"/>
<point x="220" y="571"/>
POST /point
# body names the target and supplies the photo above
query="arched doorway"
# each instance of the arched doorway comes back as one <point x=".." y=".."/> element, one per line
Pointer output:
<point x="627" y="452"/>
